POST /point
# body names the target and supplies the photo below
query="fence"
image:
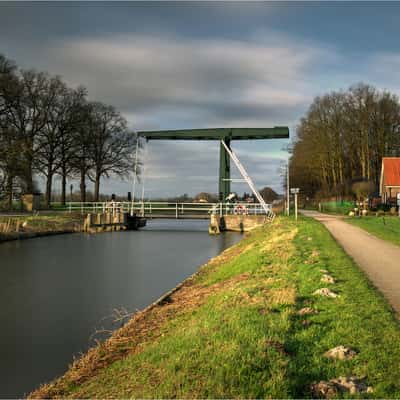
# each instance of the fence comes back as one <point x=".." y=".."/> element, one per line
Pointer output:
<point x="175" y="210"/>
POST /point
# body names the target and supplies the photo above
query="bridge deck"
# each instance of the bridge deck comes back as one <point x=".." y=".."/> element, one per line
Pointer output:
<point x="169" y="210"/>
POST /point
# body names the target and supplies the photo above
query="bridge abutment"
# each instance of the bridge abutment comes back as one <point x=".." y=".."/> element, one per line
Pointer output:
<point x="112" y="221"/>
<point x="235" y="223"/>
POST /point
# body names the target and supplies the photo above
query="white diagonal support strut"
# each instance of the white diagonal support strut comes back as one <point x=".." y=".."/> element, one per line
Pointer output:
<point x="246" y="177"/>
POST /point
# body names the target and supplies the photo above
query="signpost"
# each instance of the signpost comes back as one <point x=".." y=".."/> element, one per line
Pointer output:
<point x="295" y="191"/>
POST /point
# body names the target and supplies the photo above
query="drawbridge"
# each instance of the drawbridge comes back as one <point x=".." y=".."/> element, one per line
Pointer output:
<point x="225" y="136"/>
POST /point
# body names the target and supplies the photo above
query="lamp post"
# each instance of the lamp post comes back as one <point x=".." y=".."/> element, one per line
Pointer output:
<point x="295" y="191"/>
<point x="284" y="172"/>
<point x="287" y="189"/>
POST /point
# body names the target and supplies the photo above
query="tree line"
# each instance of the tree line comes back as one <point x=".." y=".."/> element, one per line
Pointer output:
<point x="50" y="129"/>
<point x="342" y="139"/>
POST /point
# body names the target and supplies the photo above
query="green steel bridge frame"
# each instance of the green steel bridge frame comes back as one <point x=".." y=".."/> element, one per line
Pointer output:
<point x="221" y="134"/>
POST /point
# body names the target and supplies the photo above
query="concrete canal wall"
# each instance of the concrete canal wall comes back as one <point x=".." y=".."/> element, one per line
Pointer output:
<point x="235" y="223"/>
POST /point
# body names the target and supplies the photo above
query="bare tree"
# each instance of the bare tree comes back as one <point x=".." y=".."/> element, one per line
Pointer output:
<point x="55" y="143"/>
<point x="48" y="128"/>
<point x="81" y="161"/>
<point x="28" y="110"/>
<point x="111" y="145"/>
<point x="70" y="126"/>
<point x="9" y="139"/>
<point x="49" y="138"/>
<point x="268" y="194"/>
<point x="343" y="138"/>
<point x="362" y="189"/>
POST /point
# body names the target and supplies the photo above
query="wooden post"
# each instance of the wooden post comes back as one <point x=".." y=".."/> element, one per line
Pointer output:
<point x="86" y="224"/>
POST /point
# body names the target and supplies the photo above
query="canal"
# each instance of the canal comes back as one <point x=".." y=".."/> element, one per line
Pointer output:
<point x="56" y="292"/>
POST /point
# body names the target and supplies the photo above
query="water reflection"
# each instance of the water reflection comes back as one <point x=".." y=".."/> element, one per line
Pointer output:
<point x="56" y="291"/>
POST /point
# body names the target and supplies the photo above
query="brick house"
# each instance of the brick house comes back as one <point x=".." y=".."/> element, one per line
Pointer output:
<point x="390" y="180"/>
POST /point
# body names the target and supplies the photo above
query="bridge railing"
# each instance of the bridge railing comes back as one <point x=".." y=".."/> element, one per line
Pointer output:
<point x="163" y="208"/>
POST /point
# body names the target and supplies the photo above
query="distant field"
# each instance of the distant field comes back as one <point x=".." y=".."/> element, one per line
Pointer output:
<point x="234" y="331"/>
<point x="387" y="228"/>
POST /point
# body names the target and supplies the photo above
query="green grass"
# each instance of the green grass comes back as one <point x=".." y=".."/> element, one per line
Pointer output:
<point x="386" y="228"/>
<point x="240" y="335"/>
<point x="337" y="207"/>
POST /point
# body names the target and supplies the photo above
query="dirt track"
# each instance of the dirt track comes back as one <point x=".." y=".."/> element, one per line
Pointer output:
<point x="379" y="259"/>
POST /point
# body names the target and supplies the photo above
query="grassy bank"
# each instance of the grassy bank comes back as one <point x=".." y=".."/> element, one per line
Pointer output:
<point x="31" y="225"/>
<point x="386" y="228"/>
<point x="233" y="330"/>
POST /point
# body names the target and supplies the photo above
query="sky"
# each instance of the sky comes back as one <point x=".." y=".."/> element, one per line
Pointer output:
<point x="183" y="65"/>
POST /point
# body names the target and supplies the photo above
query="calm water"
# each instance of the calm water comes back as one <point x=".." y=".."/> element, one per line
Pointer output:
<point x="56" y="291"/>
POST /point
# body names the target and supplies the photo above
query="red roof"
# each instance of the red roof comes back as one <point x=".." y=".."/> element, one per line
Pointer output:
<point x="391" y="171"/>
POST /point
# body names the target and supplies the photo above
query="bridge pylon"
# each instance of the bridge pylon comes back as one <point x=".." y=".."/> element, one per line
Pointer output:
<point x="224" y="187"/>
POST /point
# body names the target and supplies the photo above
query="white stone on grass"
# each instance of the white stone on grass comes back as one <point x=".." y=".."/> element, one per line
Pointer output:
<point x="324" y="271"/>
<point x="340" y="353"/>
<point x="340" y="386"/>
<point x="325" y="292"/>
<point x="326" y="278"/>
<point x="307" y="311"/>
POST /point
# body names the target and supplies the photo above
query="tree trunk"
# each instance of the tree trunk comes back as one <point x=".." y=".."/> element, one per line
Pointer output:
<point x="28" y="168"/>
<point x="97" y="187"/>
<point x="83" y="186"/>
<point x="29" y="178"/>
<point x="9" y="192"/>
<point x="49" y="183"/>
<point x="63" y="186"/>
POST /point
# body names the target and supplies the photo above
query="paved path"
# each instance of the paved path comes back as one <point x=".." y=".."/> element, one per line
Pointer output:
<point x="379" y="259"/>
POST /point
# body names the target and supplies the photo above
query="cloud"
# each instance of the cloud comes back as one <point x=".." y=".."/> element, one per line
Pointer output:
<point x="222" y="80"/>
<point x="168" y="81"/>
<point x="193" y="65"/>
<point x="381" y="68"/>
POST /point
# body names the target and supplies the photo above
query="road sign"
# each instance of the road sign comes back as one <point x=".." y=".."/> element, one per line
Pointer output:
<point x="294" y="190"/>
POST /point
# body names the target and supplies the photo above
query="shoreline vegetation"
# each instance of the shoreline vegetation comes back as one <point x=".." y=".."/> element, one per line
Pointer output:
<point x="386" y="228"/>
<point x="257" y="321"/>
<point x="32" y="225"/>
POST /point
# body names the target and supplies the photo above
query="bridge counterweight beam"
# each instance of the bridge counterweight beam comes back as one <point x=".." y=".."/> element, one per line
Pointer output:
<point x="224" y="171"/>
